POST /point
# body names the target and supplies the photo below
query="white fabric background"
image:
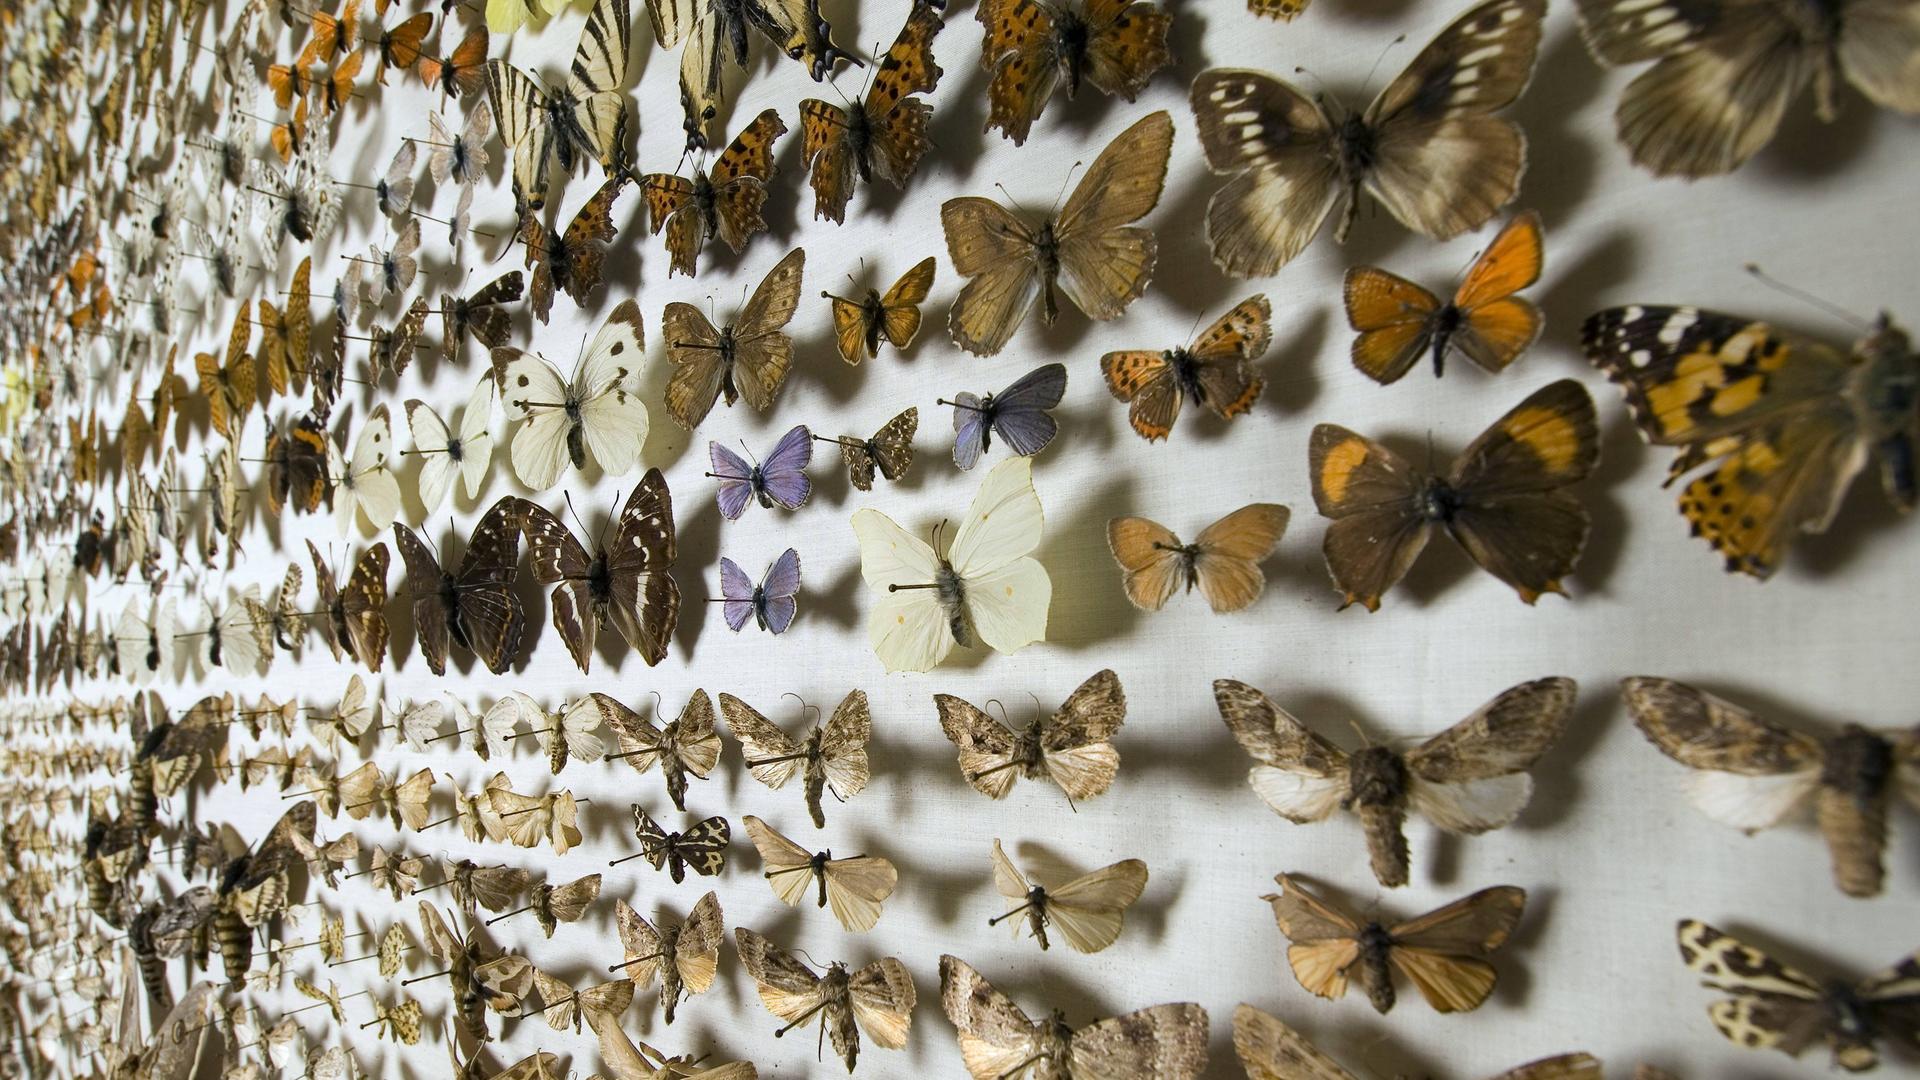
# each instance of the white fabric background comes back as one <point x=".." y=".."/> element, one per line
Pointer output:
<point x="1610" y="854"/>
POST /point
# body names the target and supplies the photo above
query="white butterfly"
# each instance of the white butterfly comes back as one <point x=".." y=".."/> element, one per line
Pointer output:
<point x="987" y="584"/>
<point x="468" y="454"/>
<point x="497" y="725"/>
<point x="365" y="482"/>
<point x="420" y="724"/>
<point x="462" y="157"/>
<point x="566" y="734"/>
<point x="354" y="715"/>
<point x="598" y="415"/>
<point x="145" y="645"/>
<point x="243" y="630"/>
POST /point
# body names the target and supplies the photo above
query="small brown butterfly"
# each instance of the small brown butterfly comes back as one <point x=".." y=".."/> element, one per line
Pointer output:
<point x="885" y="132"/>
<point x="1216" y="371"/>
<point x="355" y="622"/>
<point x="749" y="357"/>
<point x="1224" y="560"/>
<point x="297" y="472"/>
<point x="725" y="203"/>
<point x="231" y="388"/>
<point x="572" y="261"/>
<point x="859" y="324"/>
<point x="1032" y="46"/>
<point x="688" y="745"/>
<point x="463" y="74"/>
<point x="563" y="1007"/>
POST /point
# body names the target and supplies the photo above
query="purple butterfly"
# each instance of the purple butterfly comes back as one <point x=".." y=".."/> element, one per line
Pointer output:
<point x="773" y="603"/>
<point x="1017" y="414"/>
<point x="782" y="480"/>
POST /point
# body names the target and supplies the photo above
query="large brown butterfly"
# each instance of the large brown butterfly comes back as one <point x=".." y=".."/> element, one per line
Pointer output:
<point x="748" y="357"/>
<point x="1444" y="952"/>
<point x="573" y="261"/>
<point x="231" y="388"/>
<point x="476" y="608"/>
<point x="725" y="203"/>
<point x="1398" y="321"/>
<point x="1502" y="499"/>
<point x="1216" y="371"/>
<point x="1091" y="248"/>
<point x="628" y="581"/>
<point x="859" y="324"/>
<point x="885" y="132"/>
<point x="1032" y="46"/>
<point x="355" y="621"/>
<point x="1429" y="148"/>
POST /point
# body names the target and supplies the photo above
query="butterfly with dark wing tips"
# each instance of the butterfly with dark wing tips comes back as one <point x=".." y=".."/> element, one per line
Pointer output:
<point x="463" y="74"/>
<point x="1784" y="422"/>
<point x="885" y="132"/>
<point x="595" y="415"/>
<point x="1398" y="321"/>
<point x="1033" y="46"/>
<point x="575" y="260"/>
<point x="998" y="1040"/>
<point x="476" y="608"/>
<point x="1270" y="1050"/>
<point x="723" y="202"/>
<point x="877" y="999"/>
<point x="1723" y="74"/>
<point x="781" y="480"/>
<point x="483" y="315"/>
<point x="714" y="30"/>
<point x="749" y="357"/>
<point x="772" y="604"/>
<point x="1073" y="747"/>
<point x="1503" y="499"/>
<point x="702" y="847"/>
<point x="297" y="471"/>
<point x="1444" y="953"/>
<point x="1429" y="148"/>
<point x="355" y="620"/>
<point x="1091" y="249"/>
<point x="628" y="581"/>
<point x="1216" y="371"/>
<point x="586" y="118"/>
<point x="890" y="451"/>
<point x="1017" y="414"/>
<point x="1223" y="561"/>
<point x="831" y="756"/>
<point x="858" y="325"/>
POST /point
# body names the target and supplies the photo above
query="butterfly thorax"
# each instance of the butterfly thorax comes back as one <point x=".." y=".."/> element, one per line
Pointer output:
<point x="860" y="143"/>
<point x="450" y="600"/>
<point x="1070" y="38"/>
<point x="1376" y="776"/>
<point x="576" y="432"/>
<point x="1858" y="763"/>
<point x="1885" y="389"/>
<point x="560" y="118"/>
<point x="951" y="592"/>
<point x="704" y="198"/>
<point x="724" y="346"/>
<point x="873" y="312"/>
<point x="1438" y="501"/>
<point x="1375" y="944"/>
<point x="1441" y="326"/>
<point x="600" y="580"/>
<point x="1046" y="255"/>
<point x="1052" y="1047"/>
<point x="1849" y="1021"/>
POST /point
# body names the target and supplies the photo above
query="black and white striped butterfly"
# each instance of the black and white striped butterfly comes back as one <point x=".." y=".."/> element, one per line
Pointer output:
<point x="584" y="117"/>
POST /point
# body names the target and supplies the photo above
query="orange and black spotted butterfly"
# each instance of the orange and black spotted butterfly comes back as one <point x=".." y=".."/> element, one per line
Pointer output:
<point x="1217" y="371"/>
<point x="1032" y="46"/>
<point x="297" y="466"/>
<point x="399" y="45"/>
<point x="463" y="74"/>
<point x="725" y="203"/>
<point x="571" y="261"/>
<point x="1502" y="500"/>
<point x="884" y="133"/>
<point x="1485" y="322"/>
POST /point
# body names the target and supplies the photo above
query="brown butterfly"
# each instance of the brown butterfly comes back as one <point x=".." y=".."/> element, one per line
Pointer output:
<point x="555" y="904"/>
<point x="290" y="136"/>
<point x="1502" y="499"/>
<point x="688" y="745"/>
<point x="854" y="887"/>
<point x="683" y="957"/>
<point x="356" y="618"/>
<point x="286" y="336"/>
<point x="463" y="74"/>
<point x="289" y="82"/>
<point x="231" y="388"/>
<point x="725" y="203"/>
<point x="1753" y="774"/>
<point x="1444" y="952"/>
<point x="573" y="261"/>
<point x="564" y="1007"/>
<point x="1073" y="747"/>
<point x="628" y="582"/>
<point x="890" y="451"/>
<point x="885" y="132"/>
<point x="297" y="466"/>
<point x="399" y="45"/>
<point x="749" y="357"/>
<point x="1091" y="248"/>
<point x="1470" y="778"/>
<point x="1032" y="46"/>
<point x="834" y="755"/>
<point x="475" y="608"/>
<point x="1270" y="1050"/>
<point x="483" y="315"/>
<point x="1429" y="148"/>
<point x="148" y="417"/>
<point x="999" y="1040"/>
<point x="332" y="34"/>
<point x="1216" y="371"/>
<point x="1224" y="560"/>
<point x="877" y="999"/>
<point x="1398" y="322"/>
<point x="859" y="324"/>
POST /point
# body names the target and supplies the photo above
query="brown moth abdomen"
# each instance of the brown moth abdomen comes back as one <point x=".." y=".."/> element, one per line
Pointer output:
<point x="1378" y="780"/>
<point x="1856" y="833"/>
<point x="1376" y="978"/>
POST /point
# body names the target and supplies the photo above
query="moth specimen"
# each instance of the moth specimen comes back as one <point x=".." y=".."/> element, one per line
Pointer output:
<point x="475" y="608"/>
<point x="482" y="979"/>
<point x="1088" y="910"/>
<point x="1270" y="1050"/>
<point x="1072" y="747"/>
<point x="833" y="755"/>
<point x="998" y="1040"/>
<point x="703" y="847"/>
<point x="854" y="887"/>
<point x="877" y="999"/>
<point x="686" y="746"/>
<point x="683" y="956"/>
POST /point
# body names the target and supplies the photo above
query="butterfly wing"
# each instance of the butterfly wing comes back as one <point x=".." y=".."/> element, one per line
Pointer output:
<point x="1369" y="493"/>
<point x="1771" y="1001"/>
<point x="1162" y="1041"/>
<point x="1280" y="148"/>
<point x="789" y="867"/>
<point x="892" y="446"/>
<point x="1020" y="412"/>
<point x="900" y="307"/>
<point x="671" y="206"/>
<point x="1022" y="52"/>
<point x="1323" y="940"/>
<point x="534" y="398"/>
<point x="613" y="419"/>
<point x="760" y="738"/>
<point x="1498" y="326"/>
<point x="996" y="1038"/>
<point x="882" y="996"/>
<point x="489" y="615"/>
<point x="1444" y="951"/>
<point x="476" y="436"/>
<point x="997" y="253"/>
<point x="559" y="560"/>
<point x="1230" y="551"/>
<point x="1105" y="260"/>
<point x="643" y="944"/>
<point x="908" y="628"/>
<point x="1472" y="777"/>
<point x="826" y="133"/>
<point x="986" y="747"/>
<point x="431" y="438"/>
<point x="1270" y="1050"/>
<point x="704" y="847"/>
<point x="1076" y="747"/>
<point x="898" y="121"/>
<point x="1147" y="381"/>
<point x="1392" y="319"/>
<point x="736" y="480"/>
<point x="843" y="747"/>
<point x="856" y="888"/>
<point x="520" y="107"/>
<point x="762" y="351"/>
<point x="693" y="345"/>
<point x="785" y="470"/>
<point x="1149" y="557"/>
<point x="696" y="949"/>
<point x="1089" y="910"/>
<point x="787" y="988"/>
<point x="779" y="591"/>
<point x="646" y="599"/>
<point x="365" y="601"/>
<point x="597" y="81"/>
<point x="1007" y="591"/>
<point x="740" y="180"/>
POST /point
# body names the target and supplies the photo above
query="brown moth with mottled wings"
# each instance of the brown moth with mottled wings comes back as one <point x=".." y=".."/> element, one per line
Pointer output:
<point x="889" y="452"/>
<point x="832" y="756"/>
<point x="1751" y="773"/>
<point x="1470" y="778"/>
<point x="482" y="979"/>
<point x="1089" y="909"/>
<point x="999" y="1041"/>
<point x="877" y="999"/>
<point x="854" y="887"/>
<point x="686" y="746"/>
<point x="1270" y="1050"/>
<point x="683" y="956"/>
<point x="563" y="1007"/>
<point x="1072" y="747"/>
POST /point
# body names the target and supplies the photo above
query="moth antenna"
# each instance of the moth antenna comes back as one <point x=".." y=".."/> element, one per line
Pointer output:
<point x="1808" y="298"/>
<point x="1195" y="329"/>
<point x="1003" y="710"/>
<point x="1063" y="189"/>
<point x="810" y="959"/>
<point x="801" y="700"/>
<point x="1355" y="725"/>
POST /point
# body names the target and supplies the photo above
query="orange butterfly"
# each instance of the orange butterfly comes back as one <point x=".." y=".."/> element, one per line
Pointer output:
<point x="400" y="44"/>
<point x="332" y="35"/>
<point x="292" y="135"/>
<point x="884" y="133"/>
<point x="288" y="82"/>
<point x="462" y="74"/>
<point x="1217" y="371"/>
<point x="1032" y="46"/>
<point x="232" y="388"/>
<point x="332" y="92"/>
<point x="725" y="203"/>
<point x="1485" y="322"/>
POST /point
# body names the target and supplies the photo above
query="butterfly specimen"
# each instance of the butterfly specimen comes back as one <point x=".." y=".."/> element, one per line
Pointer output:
<point x="447" y="454"/>
<point x="833" y="755"/>
<point x="395" y="873"/>
<point x="702" y="847"/>
<point x="683" y="957"/>
<point x="297" y="466"/>
<point x="399" y="45"/>
<point x="233" y="387"/>
<point x="1089" y="910"/>
<point x="355" y="621"/>
<point x="1722" y="76"/>
<point x="1018" y="414"/>
<point x="1033" y="46"/>
<point x="688" y="745"/>
<point x="495" y="888"/>
<point x="563" y="1008"/>
<point x="1398" y="322"/>
<point x="748" y="357"/>
<point x="399" y="1022"/>
<point x="884" y="132"/>
<point x="725" y="202"/>
<point x="393" y="269"/>
<point x="859" y="325"/>
<point x="393" y="193"/>
<point x="1429" y="148"/>
<point x="1270" y="1050"/>
<point x="366" y="789"/>
<point x="352" y="716"/>
<point x="568" y="734"/>
<point x="716" y="30"/>
<point x="145" y="644"/>
<point x="330" y="91"/>
<point x="240" y="636"/>
<point x="1216" y="371"/>
<point x="890" y="451"/>
<point x="571" y="261"/>
<point x="1785" y="422"/>
<point x="253" y="887"/>
<point x="597" y="415"/>
<point x="782" y="480"/>
<point x="476" y="607"/>
<point x="877" y="999"/>
<point x="998" y="1040"/>
<point x="1224" y="560"/>
<point x="854" y="887"/>
<point x="286" y="336"/>
<point x="483" y="315"/>
<point x="627" y="581"/>
<point x="1091" y="249"/>
<point x="987" y="585"/>
<point x="1470" y="778"/>
<point x="463" y="74"/>
<point x="772" y="604"/>
<point x="1774" y="1007"/>
<point x="461" y="157"/>
<point x="1444" y="952"/>
<point x="1751" y="773"/>
<point x="584" y="118"/>
<point x="555" y="904"/>
<point x="1073" y="747"/>
<point x="365" y="482"/>
<point x="1502" y="499"/>
<point x="481" y="979"/>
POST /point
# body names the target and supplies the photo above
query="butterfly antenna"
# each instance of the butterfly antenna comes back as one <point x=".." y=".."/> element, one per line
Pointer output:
<point x="1010" y="198"/>
<point x="1375" y="69"/>
<point x="659" y="703"/>
<point x="1808" y="298"/>
<point x="1063" y="189"/>
<point x="801" y="700"/>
